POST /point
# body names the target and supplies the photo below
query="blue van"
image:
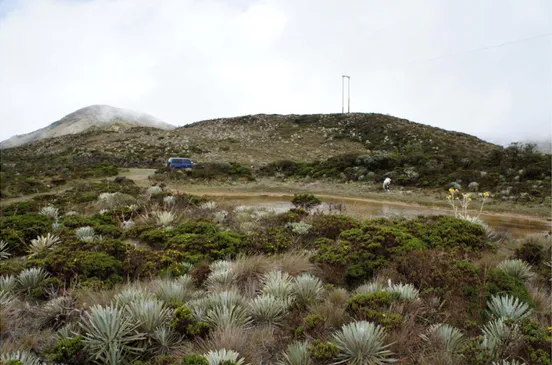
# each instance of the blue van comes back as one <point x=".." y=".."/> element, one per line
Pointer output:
<point x="180" y="163"/>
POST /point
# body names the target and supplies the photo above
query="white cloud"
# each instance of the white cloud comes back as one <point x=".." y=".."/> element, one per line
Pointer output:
<point x="188" y="60"/>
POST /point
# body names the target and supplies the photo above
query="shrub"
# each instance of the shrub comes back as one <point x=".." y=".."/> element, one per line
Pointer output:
<point x="305" y="201"/>
<point x="363" y="251"/>
<point x="194" y="360"/>
<point x="23" y="228"/>
<point x="186" y="324"/>
<point x="198" y="247"/>
<point x="69" y="351"/>
<point x="500" y="283"/>
<point x="530" y="251"/>
<point x="362" y="343"/>
<point x="323" y="352"/>
<point x="331" y="225"/>
<point x="272" y="240"/>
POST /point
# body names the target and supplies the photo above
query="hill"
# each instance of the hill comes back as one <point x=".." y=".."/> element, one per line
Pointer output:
<point x="94" y="116"/>
<point x="344" y="147"/>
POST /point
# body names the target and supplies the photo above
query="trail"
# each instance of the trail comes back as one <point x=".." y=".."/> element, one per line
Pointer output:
<point x="141" y="178"/>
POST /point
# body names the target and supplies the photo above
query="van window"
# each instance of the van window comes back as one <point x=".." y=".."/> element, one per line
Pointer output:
<point x="176" y="160"/>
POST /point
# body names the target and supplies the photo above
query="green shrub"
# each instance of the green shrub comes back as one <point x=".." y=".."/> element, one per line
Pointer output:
<point x="69" y="351"/>
<point x="197" y="247"/>
<point x="323" y="352"/>
<point x="331" y="225"/>
<point x="363" y="250"/>
<point x="500" y="283"/>
<point x="17" y="229"/>
<point x="185" y="323"/>
<point x="305" y="201"/>
<point x="375" y="300"/>
<point x="531" y="252"/>
<point x="194" y="360"/>
<point x="156" y="237"/>
<point x="197" y="227"/>
<point x="271" y="240"/>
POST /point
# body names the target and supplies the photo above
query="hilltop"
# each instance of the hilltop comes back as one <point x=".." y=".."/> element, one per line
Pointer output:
<point x="341" y="147"/>
<point x="94" y="116"/>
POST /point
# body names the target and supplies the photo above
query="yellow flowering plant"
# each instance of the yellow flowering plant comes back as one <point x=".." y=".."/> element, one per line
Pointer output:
<point x="461" y="201"/>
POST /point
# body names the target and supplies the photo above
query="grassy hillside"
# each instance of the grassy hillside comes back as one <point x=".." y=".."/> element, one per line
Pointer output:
<point x="345" y="147"/>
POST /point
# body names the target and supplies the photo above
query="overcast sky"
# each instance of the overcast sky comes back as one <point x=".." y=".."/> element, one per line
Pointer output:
<point x="189" y="60"/>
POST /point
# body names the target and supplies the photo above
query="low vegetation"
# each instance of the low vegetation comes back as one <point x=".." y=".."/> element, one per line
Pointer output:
<point x="108" y="273"/>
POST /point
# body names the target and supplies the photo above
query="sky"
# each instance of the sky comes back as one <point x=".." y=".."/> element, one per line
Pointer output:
<point x="479" y="67"/>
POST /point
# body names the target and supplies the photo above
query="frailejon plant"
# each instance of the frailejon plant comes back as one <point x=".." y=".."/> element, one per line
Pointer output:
<point x="4" y="254"/>
<point x="226" y="316"/>
<point x="165" y="340"/>
<point x="362" y="343"/>
<point x="222" y="356"/>
<point x="405" y="291"/>
<point x="148" y="314"/>
<point x="109" y="335"/>
<point x="296" y="353"/>
<point x="8" y="283"/>
<point x="268" y="310"/>
<point x="300" y="228"/>
<point x="369" y="288"/>
<point x="210" y="205"/>
<point x="307" y="287"/>
<point x="50" y="211"/>
<point x="22" y="357"/>
<point x="499" y="334"/>
<point x="165" y="219"/>
<point x="42" y="244"/>
<point x="517" y="268"/>
<point x="85" y="233"/>
<point x="444" y="337"/>
<point x="30" y="279"/>
<point x="508" y="307"/>
<point x="279" y="284"/>
<point x="130" y="295"/>
<point x="57" y="311"/>
<point x="174" y="292"/>
<point x="7" y="299"/>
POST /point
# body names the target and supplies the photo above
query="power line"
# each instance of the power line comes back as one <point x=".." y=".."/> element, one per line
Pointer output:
<point x="482" y="48"/>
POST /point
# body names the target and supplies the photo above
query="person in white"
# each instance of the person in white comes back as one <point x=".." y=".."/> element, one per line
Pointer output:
<point x="387" y="184"/>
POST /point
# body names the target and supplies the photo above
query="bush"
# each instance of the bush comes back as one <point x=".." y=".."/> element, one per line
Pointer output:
<point x="185" y="323"/>
<point x="17" y="229"/>
<point x="331" y="225"/>
<point x="305" y="201"/>
<point x="323" y="352"/>
<point x="69" y="351"/>
<point x="271" y="240"/>
<point x="194" y="360"/>
<point x="530" y="251"/>
<point x="198" y="247"/>
<point x="363" y="250"/>
<point x="500" y="283"/>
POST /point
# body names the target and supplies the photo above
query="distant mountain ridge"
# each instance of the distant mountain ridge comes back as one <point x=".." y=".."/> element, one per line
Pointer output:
<point x="94" y="116"/>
